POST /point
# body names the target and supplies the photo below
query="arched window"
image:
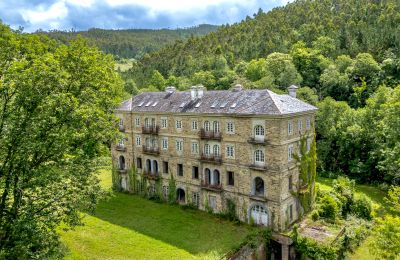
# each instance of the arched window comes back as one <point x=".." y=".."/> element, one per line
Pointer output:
<point x="154" y="143"/>
<point x="259" y="131"/>
<point x="207" y="149"/>
<point x="148" y="165"/>
<point x="207" y="176"/>
<point x="180" y="194"/>
<point x="258" y="186"/>
<point x="216" y="149"/>
<point x="121" y="162"/>
<point x="148" y="142"/>
<point x="155" y="167"/>
<point x="206" y="126"/>
<point x="216" y="126"/>
<point x="216" y="176"/>
<point x="259" y="156"/>
<point x="146" y="122"/>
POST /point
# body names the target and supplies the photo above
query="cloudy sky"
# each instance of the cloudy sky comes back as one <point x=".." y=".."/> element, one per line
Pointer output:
<point x="113" y="14"/>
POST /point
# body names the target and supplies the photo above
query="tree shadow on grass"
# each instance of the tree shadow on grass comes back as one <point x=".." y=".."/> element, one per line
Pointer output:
<point x="194" y="231"/>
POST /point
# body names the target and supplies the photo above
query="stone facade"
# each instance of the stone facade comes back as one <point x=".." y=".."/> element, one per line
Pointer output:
<point x="248" y="159"/>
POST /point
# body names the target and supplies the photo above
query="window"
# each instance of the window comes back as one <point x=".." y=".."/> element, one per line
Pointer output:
<point x="196" y="199"/>
<point x="230" y="128"/>
<point x="206" y="126"/>
<point x="290" y="152"/>
<point x="165" y="143"/>
<point x="308" y="147"/>
<point x="207" y="149"/>
<point x="291" y="213"/>
<point x="290" y="183"/>
<point x="216" y="149"/>
<point x="259" y="130"/>
<point x="300" y="124"/>
<point x="195" y="172"/>
<point x="231" y="178"/>
<point x="259" y="156"/>
<point x="212" y="202"/>
<point x="179" y="145"/>
<point x="165" y="191"/>
<point x="154" y="143"/>
<point x="290" y="128"/>
<point x="137" y="121"/>
<point x="139" y="163"/>
<point x="146" y="122"/>
<point x="216" y="126"/>
<point x="178" y="124"/>
<point x="195" y="147"/>
<point x="180" y="169"/>
<point x="138" y="141"/>
<point x="165" y="167"/>
<point x="121" y="143"/>
<point x="230" y="151"/>
<point x="194" y="125"/>
<point x="308" y="123"/>
<point x="164" y="123"/>
<point x="121" y="122"/>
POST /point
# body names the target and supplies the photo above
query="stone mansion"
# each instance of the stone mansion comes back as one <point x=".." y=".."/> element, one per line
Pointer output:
<point x="234" y="144"/>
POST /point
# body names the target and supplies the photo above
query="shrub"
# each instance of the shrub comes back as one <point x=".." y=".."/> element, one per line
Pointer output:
<point x="315" y="215"/>
<point x="329" y="208"/>
<point x="362" y="207"/>
<point x="344" y="189"/>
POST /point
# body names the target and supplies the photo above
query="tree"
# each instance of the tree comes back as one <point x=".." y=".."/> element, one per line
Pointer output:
<point x="393" y="199"/>
<point x="281" y="68"/>
<point x="387" y="238"/>
<point x="308" y="95"/>
<point x="56" y="113"/>
<point x="157" y="80"/>
<point x="255" y="70"/>
<point x="205" y="78"/>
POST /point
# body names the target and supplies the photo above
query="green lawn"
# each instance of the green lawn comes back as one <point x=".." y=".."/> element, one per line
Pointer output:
<point x="130" y="227"/>
<point x="376" y="195"/>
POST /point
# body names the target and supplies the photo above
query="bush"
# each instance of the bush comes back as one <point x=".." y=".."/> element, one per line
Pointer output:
<point x="362" y="207"/>
<point x="315" y="215"/>
<point x="329" y="208"/>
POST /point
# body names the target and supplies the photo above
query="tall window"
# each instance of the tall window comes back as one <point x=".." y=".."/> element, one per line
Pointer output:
<point x="121" y="122"/>
<point x="258" y="130"/>
<point x="207" y="126"/>
<point x="290" y="183"/>
<point x="230" y="151"/>
<point x="230" y="128"/>
<point x="154" y="143"/>
<point x="290" y="152"/>
<point x="216" y="149"/>
<point x="139" y="163"/>
<point x="308" y="147"/>
<point x="138" y="141"/>
<point x="308" y="123"/>
<point x="196" y="199"/>
<point x="121" y="143"/>
<point x="194" y="125"/>
<point x="180" y="169"/>
<point x="290" y="127"/>
<point x="148" y="142"/>
<point x="195" y="147"/>
<point x="164" y="123"/>
<point x="165" y="143"/>
<point x="195" y="172"/>
<point x="300" y="124"/>
<point x="207" y="149"/>
<point x="137" y="121"/>
<point x="231" y="178"/>
<point x="179" y="145"/>
<point x="178" y="124"/>
<point x="259" y="156"/>
<point x="216" y="126"/>
<point x="165" y="167"/>
<point x="146" y="122"/>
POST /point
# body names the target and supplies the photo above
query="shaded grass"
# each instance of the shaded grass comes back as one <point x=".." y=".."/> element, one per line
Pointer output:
<point x="130" y="227"/>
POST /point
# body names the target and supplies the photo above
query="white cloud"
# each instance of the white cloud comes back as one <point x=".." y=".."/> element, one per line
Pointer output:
<point x="41" y="14"/>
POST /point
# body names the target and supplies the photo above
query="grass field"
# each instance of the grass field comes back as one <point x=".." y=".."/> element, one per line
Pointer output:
<point x="376" y="195"/>
<point x="130" y="227"/>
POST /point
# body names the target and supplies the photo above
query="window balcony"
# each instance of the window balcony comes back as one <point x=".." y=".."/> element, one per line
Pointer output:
<point x="121" y="128"/>
<point x="151" y="175"/>
<point x="212" y="187"/>
<point x="216" y="159"/>
<point x="120" y="148"/>
<point x="258" y="166"/>
<point x="152" y="129"/>
<point x="151" y="150"/>
<point x="210" y="135"/>
<point x="257" y="140"/>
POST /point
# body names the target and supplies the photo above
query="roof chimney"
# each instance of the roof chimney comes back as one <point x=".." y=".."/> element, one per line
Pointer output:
<point x="237" y="88"/>
<point x="292" y="91"/>
<point x="193" y="93"/>
<point x="170" y="89"/>
<point x="200" y="91"/>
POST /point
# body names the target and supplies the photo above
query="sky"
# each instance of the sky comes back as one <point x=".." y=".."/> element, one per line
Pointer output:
<point x="125" y="14"/>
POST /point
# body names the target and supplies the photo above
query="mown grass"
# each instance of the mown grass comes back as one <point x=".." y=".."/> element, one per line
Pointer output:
<point x="377" y="197"/>
<point x="130" y="227"/>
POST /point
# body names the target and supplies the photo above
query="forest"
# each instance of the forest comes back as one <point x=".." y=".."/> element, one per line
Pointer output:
<point x="131" y="43"/>
<point x="343" y="54"/>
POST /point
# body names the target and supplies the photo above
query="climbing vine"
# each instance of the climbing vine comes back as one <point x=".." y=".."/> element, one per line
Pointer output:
<point x="307" y="174"/>
<point x="116" y="179"/>
<point x="133" y="182"/>
<point x="172" y="190"/>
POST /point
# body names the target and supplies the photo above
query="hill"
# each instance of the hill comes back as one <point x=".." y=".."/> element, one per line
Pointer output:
<point x="132" y="43"/>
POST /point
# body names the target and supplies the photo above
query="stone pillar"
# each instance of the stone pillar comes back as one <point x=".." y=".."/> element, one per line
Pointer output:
<point x="285" y="252"/>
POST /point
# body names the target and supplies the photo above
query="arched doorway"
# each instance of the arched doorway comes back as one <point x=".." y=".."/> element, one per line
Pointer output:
<point x="259" y="215"/>
<point x="155" y="167"/>
<point x="121" y="162"/>
<point x="148" y="165"/>
<point x="216" y="177"/>
<point x="180" y="195"/>
<point x="207" y="176"/>
<point x="258" y="187"/>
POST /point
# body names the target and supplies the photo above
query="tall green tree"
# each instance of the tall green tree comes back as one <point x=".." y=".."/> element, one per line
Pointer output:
<point x="56" y="113"/>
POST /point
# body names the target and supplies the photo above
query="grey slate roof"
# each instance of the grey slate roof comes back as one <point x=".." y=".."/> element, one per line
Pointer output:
<point x="258" y="102"/>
